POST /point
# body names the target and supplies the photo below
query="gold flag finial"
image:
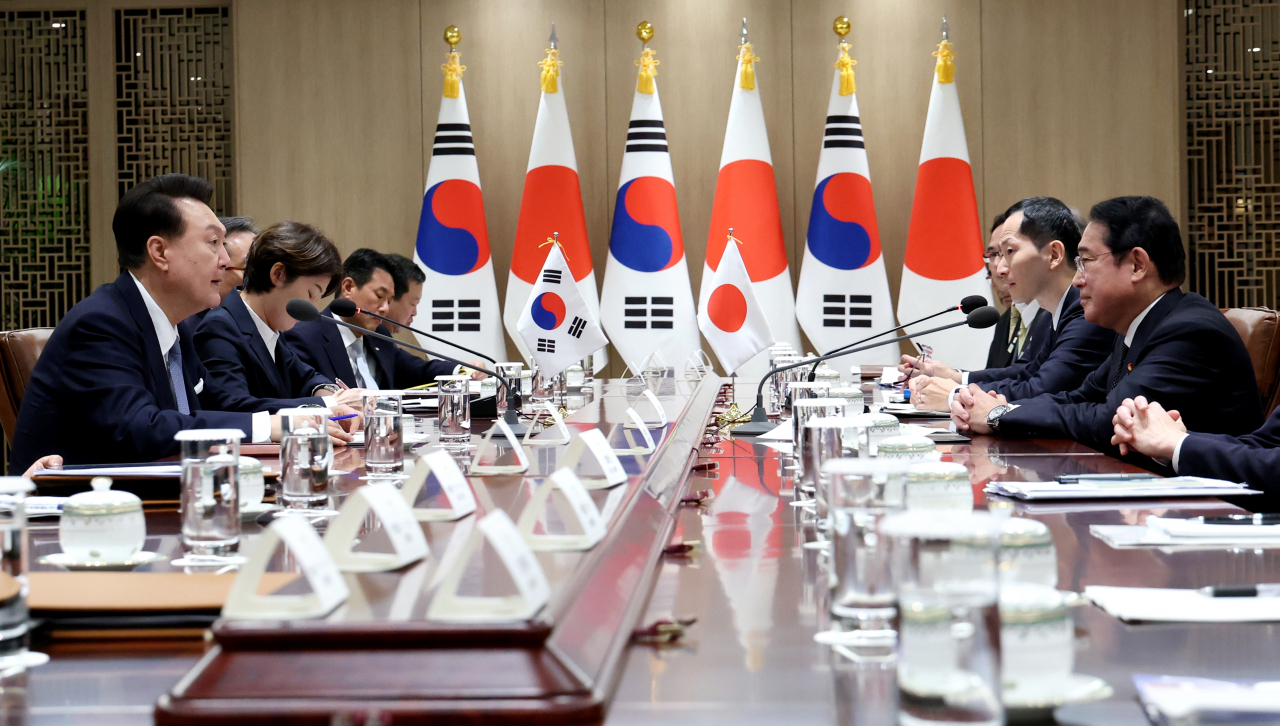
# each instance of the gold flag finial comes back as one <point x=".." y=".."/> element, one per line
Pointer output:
<point x="747" y="81"/>
<point x="551" y="65"/>
<point x="945" y="67"/>
<point x="845" y="64"/>
<point x="554" y="239"/>
<point x="732" y="238"/>
<point x="452" y="67"/>
<point x="648" y="60"/>
<point x="644" y="31"/>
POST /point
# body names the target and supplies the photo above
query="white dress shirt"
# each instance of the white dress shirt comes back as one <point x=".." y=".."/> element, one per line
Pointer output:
<point x="167" y="335"/>
<point x="269" y="336"/>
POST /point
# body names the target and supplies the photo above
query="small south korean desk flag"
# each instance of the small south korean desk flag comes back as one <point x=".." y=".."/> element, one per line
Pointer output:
<point x="732" y="319"/>
<point x="556" y="323"/>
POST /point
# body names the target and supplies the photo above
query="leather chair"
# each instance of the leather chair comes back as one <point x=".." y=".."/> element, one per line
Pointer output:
<point x="19" y="351"/>
<point x="1258" y="328"/>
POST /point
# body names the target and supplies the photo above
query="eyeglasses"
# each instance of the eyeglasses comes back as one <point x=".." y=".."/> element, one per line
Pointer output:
<point x="242" y="269"/>
<point x="1082" y="263"/>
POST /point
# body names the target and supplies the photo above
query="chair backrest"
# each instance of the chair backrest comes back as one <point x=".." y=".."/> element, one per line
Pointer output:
<point x="19" y="351"/>
<point x="1259" y="329"/>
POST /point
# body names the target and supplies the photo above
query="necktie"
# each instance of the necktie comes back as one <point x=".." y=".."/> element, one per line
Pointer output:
<point x="176" y="379"/>
<point x="1019" y="333"/>
<point x="1122" y="352"/>
<point x="360" y="366"/>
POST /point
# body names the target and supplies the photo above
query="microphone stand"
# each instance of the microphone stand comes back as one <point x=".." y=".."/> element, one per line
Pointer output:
<point x="813" y="371"/>
<point x="760" y="423"/>
<point x="512" y="416"/>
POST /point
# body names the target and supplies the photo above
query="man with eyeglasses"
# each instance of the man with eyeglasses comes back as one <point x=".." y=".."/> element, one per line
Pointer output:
<point x="1035" y="254"/>
<point x="1010" y="342"/>
<point x="1172" y="346"/>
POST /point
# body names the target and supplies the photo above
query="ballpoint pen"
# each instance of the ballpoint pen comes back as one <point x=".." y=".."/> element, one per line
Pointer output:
<point x="344" y="417"/>
<point x="1258" y="519"/>
<point x="1263" y="589"/>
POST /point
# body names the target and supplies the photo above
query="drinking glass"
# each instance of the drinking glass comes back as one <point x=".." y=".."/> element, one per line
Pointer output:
<point x="863" y="493"/>
<point x="511" y="372"/>
<point x="823" y="441"/>
<point x="805" y="409"/>
<point x="801" y="389"/>
<point x="548" y="388"/>
<point x="526" y="383"/>
<point x="210" y="490"/>
<point x="575" y="375"/>
<point x="383" y="435"/>
<point x="455" y="408"/>
<point x="305" y="457"/>
<point x="866" y="688"/>
<point x="777" y="384"/>
<point x="14" y="618"/>
<point x="946" y="571"/>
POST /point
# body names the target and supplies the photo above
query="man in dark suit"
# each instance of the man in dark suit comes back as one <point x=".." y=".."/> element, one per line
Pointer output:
<point x="351" y="358"/>
<point x="1038" y="245"/>
<point x="1010" y="342"/>
<point x="119" y="377"/>
<point x="1175" y="346"/>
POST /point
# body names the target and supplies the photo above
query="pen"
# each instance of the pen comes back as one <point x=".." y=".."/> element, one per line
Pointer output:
<point x="1105" y="477"/>
<point x="345" y="387"/>
<point x="1265" y="589"/>
<point x="343" y="417"/>
<point x="1248" y="519"/>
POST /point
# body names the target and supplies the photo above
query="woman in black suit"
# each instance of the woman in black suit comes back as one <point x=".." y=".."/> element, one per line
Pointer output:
<point x="250" y="368"/>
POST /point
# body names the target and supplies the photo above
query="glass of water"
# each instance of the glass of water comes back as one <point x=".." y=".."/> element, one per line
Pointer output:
<point x="823" y="441"/>
<point x="14" y="618"/>
<point x="210" y="490"/>
<point x="511" y="372"/>
<point x="455" y="408"/>
<point x="383" y="435"/>
<point x="946" y="571"/>
<point x="863" y="493"/>
<point x="804" y="410"/>
<point x="306" y="454"/>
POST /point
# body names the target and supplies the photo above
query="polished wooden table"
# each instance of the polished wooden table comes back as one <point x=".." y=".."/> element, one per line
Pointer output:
<point x="750" y="658"/>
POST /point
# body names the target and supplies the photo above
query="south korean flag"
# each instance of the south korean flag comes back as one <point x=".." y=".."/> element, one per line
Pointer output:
<point x="556" y="324"/>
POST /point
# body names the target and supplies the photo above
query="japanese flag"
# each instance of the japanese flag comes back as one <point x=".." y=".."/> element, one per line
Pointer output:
<point x="732" y="319"/>
<point x="556" y="325"/>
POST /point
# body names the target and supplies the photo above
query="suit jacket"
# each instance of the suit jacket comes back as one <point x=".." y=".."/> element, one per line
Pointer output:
<point x="1253" y="458"/>
<point x="100" y="392"/>
<point x="1184" y="354"/>
<point x="1000" y="354"/>
<point x="1033" y="349"/>
<point x="242" y="374"/>
<point x="319" y="344"/>
<point x="1070" y="352"/>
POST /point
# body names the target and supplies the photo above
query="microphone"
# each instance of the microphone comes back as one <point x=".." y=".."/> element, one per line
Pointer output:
<point x="983" y="317"/>
<point x="346" y="308"/>
<point x="966" y="306"/>
<point x="305" y="312"/>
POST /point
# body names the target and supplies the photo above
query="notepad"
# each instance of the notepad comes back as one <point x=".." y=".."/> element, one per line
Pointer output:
<point x="145" y="471"/>
<point x="1180" y="486"/>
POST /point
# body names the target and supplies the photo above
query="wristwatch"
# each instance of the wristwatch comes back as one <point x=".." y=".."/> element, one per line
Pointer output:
<point x="327" y="388"/>
<point x="993" y="418"/>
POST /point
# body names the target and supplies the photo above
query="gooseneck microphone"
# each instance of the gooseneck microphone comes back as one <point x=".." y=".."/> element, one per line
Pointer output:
<point x="983" y="317"/>
<point x="305" y="312"/>
<point x="346" y="308"/>
<point x="966" y="306"/>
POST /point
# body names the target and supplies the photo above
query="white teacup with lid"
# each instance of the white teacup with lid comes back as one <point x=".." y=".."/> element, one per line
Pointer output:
<point x="102" y="525"/>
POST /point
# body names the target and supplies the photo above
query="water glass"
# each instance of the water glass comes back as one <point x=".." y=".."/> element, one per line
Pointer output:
<point x="777" y="384"/>
<point x="823" y="441"/>
<point x="455" y="408"/>
<point x="384" y="433"/>
<point x="805" y="409"/>
<point x="866" y="688"/>
<point x="511" y="372"/>
<point x="210" y="490"/>
<point x="945" y="568"/>
<point x="863" y="493"/>
<point x="526" y="383"/>
<point x="548" y="388"/>
<point x="306" y="454"/>
<point x="575" y="375"/>
<point x="802" y="389"/>
<point x="14" y="618"/>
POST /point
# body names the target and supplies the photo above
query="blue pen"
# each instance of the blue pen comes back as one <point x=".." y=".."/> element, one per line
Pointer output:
<point x="344" y="417"/>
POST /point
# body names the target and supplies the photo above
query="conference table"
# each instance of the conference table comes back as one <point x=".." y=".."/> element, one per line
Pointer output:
<point x="728" y="558"/>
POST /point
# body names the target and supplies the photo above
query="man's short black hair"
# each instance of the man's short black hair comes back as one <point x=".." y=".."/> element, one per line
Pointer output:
<point x="147" y="210"/>
<point x="1143" y="222"/>
<point x="359" y="265"/>
<point x="239" y="224"/>
<point x="1045" y="219"/>
<point x="404" y="273"/>
<point x="1005" y="215"/>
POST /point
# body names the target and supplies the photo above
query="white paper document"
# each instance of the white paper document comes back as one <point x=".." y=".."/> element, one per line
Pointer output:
<point x="1122" y="536"/>
<point x="1153" y="604"/>
<point x="1178" y="486"/>
<point x="144" y="471"/>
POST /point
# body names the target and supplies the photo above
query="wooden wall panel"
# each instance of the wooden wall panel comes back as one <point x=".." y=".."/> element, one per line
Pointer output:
<point x="329" y="99"/>
<point x="1082" y="101"/>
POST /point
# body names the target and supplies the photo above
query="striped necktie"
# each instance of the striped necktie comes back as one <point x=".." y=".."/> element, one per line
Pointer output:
<point x="176" y="379"/>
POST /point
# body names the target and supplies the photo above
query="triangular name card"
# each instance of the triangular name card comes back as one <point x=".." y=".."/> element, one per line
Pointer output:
<point x="581" y="509"/>
<point x="386" y="502"/>
<point x="521" y="563"/>
<point x="637" y="423"/>
<point x="593" y="440"/>
<point x="462" y="501"/>
<point x="545" y="407"/>
<point x="661" y="412"/>
<point x="328" y="588"/>
<point x="522" y="459"/>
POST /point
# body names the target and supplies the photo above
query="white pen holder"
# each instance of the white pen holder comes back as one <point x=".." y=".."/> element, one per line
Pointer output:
<point x="550" y="410"/>
<point x="328" y="587"/>
<point x="497" y="529"/>
<point x="594" y="442"/>
<point x="385" y="501"/>
<point x="453" y="483"/>
<point x="522" y="458"/>
<point x="575" y="505"/>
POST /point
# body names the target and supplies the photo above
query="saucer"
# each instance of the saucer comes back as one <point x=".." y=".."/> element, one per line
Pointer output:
<point x="1038" y="701"/>
<point x="62" y="559"/>
<point x="252" y="512"/>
